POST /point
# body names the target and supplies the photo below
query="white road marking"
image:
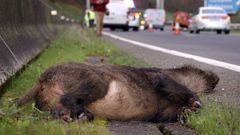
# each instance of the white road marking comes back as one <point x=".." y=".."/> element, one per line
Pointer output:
<point x="177" y="53"/>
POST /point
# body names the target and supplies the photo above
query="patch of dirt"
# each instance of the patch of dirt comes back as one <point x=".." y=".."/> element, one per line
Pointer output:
<point x="132" y="128"/>
<point x="146" y="128"/>
<point x="175" y="129"/>
<point x="96" y="60"/>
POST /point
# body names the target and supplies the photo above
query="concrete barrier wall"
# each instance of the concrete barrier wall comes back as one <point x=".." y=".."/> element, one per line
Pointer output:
<point x="25" y="29"/>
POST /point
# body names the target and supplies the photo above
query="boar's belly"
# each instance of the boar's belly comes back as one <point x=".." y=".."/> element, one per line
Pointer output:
<point x="122" y="102"/>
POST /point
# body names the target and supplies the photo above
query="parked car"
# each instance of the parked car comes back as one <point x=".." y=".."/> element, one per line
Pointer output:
<point x="182" y="18"/>
<point x="155" y="17"/>
<point x="116" y="16"/>
<point x="134" y="19"/>
<point x="210" y="19"/>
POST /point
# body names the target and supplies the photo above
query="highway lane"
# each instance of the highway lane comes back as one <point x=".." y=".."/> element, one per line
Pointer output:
<point x="225" y="48"/>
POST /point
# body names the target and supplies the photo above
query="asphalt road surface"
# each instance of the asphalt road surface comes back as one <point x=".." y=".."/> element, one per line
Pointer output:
<point x="224" y="48"/>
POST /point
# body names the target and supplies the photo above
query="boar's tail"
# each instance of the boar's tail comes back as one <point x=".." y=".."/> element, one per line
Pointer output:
<point x="29" y="96"/>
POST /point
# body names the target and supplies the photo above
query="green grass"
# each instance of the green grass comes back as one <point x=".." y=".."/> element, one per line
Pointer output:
<point x="69" y="10"/>
<point x="169" y="16"/>
<point x="70" y="45"/>
<point x="72" y="11"/>
<point x="236" y="31"/>
<point x="216" y="119"/>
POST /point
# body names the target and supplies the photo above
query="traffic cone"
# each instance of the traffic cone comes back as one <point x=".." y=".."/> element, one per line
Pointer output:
<point x="150" y="28"/>
<point x="177" y="29"/>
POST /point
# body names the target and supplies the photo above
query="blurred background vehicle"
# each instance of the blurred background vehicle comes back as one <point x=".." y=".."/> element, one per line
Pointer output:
<point x="116" y="16"/>
<point x="182" y="18"/>
<point x="134" y="19"/>
<point x="210" y="19"/>
<point x="155" y="18"/>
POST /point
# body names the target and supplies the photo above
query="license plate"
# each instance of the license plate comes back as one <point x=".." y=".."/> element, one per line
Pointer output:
<point x="131" y="17"/>
<point x="109" y="18"/>
<point x="214" y="18"/>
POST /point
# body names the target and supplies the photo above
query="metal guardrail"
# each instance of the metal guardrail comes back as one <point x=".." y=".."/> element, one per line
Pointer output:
<point x="25" y="29"/>
<point x="235" y="26"/>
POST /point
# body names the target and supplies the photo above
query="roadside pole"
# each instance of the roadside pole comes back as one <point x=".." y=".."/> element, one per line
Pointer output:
<point x="160" y="4"/>
<point x="88" y="4"/>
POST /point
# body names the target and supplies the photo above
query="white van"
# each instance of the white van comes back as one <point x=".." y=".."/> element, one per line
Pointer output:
<point x="155" y="18"/>
<point x="116" y="16"/>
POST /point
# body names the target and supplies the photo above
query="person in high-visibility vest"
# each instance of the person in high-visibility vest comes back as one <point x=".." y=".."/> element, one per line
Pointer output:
<point x="86" y="19"/>
<point x="91" y="17"/>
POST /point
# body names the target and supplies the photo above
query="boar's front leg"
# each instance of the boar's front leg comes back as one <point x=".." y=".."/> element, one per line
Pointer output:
<point x="87" y="91"/>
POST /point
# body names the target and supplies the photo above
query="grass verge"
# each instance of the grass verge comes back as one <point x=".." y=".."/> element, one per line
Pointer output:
<point x="215" y="119"/>
<point x="72" y="11"/>
<point x="70" y="45"/>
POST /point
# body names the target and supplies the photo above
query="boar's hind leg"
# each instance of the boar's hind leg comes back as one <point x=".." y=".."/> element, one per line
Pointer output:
<point x="87" y="91"/>
<point x="175" y="92"/>
<point x="173" y="99"/>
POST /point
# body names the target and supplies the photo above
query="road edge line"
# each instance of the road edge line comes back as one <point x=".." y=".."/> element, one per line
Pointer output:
<point x="179" y="54"/>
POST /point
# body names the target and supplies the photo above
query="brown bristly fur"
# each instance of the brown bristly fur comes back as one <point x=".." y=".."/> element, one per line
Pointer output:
<point x="119" y="92"/>
<point x="190" y="76"/>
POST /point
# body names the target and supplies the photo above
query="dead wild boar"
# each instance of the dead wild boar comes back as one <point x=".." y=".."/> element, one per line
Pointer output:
<point x="75" y="91"/>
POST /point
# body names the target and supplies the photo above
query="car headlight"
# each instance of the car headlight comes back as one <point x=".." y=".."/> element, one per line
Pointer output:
<point x="137" y="15"/>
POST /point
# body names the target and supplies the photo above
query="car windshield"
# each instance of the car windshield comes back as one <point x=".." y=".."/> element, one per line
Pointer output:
<point x="213" y="11"/>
